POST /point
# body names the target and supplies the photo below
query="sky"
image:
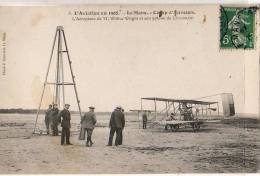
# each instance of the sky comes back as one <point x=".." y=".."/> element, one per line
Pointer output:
<point x="118" y="62"/>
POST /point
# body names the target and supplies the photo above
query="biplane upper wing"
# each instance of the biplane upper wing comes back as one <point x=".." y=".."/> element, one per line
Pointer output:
<point x="180" y="100"/>
<point x="140" y="110"/>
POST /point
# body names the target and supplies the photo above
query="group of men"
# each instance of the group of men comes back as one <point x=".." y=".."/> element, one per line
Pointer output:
<point x="116" y="125"/>
<point x="53" y="117"/>
<point x="88" y="121"/>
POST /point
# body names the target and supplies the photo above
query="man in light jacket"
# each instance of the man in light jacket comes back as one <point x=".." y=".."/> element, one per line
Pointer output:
<point x="88" y="122"/>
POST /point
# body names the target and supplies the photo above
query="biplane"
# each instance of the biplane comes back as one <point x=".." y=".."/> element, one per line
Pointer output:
<point x="180" y="113"/>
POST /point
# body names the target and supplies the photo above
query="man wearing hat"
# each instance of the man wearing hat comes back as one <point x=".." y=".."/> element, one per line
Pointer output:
<point x="54" y="120"/>
<point x="65" y="124"/>
<point x="88" y="122"/>
<point x="116" y="124"/>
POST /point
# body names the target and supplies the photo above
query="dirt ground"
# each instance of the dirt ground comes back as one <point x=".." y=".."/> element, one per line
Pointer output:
<point x="228" y="146"/>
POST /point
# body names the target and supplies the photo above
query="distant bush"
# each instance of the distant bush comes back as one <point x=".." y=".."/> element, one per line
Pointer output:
<point x="34" y="111"/>
<point x="20" y="110"/>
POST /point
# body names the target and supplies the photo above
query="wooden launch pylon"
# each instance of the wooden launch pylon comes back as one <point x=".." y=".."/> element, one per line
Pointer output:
<point x="59" y="84"/>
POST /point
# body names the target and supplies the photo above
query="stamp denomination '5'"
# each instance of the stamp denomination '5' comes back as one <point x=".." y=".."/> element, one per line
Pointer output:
<point x="237" y="27"/>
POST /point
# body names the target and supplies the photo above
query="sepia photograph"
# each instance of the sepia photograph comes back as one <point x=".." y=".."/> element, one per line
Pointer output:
<point x="129" y="89"/>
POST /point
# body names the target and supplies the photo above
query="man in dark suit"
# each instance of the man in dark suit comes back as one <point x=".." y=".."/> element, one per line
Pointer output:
<point x="65" y="124"/>
<point x="144" y="116"/>
<point x="54" y="122"/>
<point x="116" y="124"/>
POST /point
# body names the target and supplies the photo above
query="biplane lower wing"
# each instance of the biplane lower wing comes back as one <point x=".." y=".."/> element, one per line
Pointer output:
<point x="177" y="122"/>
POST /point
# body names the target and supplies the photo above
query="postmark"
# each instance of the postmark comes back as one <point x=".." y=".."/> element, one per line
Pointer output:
<point x="237" y="27"/>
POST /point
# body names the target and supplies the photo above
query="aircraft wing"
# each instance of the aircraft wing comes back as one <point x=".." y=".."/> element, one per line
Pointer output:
<point x="175" y="122"/>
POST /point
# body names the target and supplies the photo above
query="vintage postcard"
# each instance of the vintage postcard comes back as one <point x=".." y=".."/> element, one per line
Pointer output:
<point x="129" y="89"/>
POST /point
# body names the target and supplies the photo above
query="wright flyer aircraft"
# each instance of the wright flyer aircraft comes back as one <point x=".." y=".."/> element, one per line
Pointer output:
<point x="180" y="113"/>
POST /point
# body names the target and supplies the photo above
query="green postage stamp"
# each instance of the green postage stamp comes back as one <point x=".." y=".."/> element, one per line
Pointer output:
<point x="237" y="27"/>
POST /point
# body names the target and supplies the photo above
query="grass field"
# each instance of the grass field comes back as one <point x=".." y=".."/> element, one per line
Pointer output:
<point x="227" y="146"/>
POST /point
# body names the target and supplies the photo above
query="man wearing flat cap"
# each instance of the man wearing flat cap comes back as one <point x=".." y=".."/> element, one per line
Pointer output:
<point x="65" y="124"/>
<point x="88" y="122"/>
<point x="54" y="120"/>
<point x="116" y="124"/>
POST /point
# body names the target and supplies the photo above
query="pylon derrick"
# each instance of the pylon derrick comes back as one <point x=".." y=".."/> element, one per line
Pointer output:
<point x="59" y="84"/>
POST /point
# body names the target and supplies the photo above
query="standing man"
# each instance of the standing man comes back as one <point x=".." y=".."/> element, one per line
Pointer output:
<point x="88" y="122"/>
<point x="121" y="139"/>
<point x="55" y="120"/>
<point x="116" y="124"/>
<point x="197" y="111"/>
<point x="144" y="117"/>
<point x="47" y="118"/>
<point x="65" y="124"/>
